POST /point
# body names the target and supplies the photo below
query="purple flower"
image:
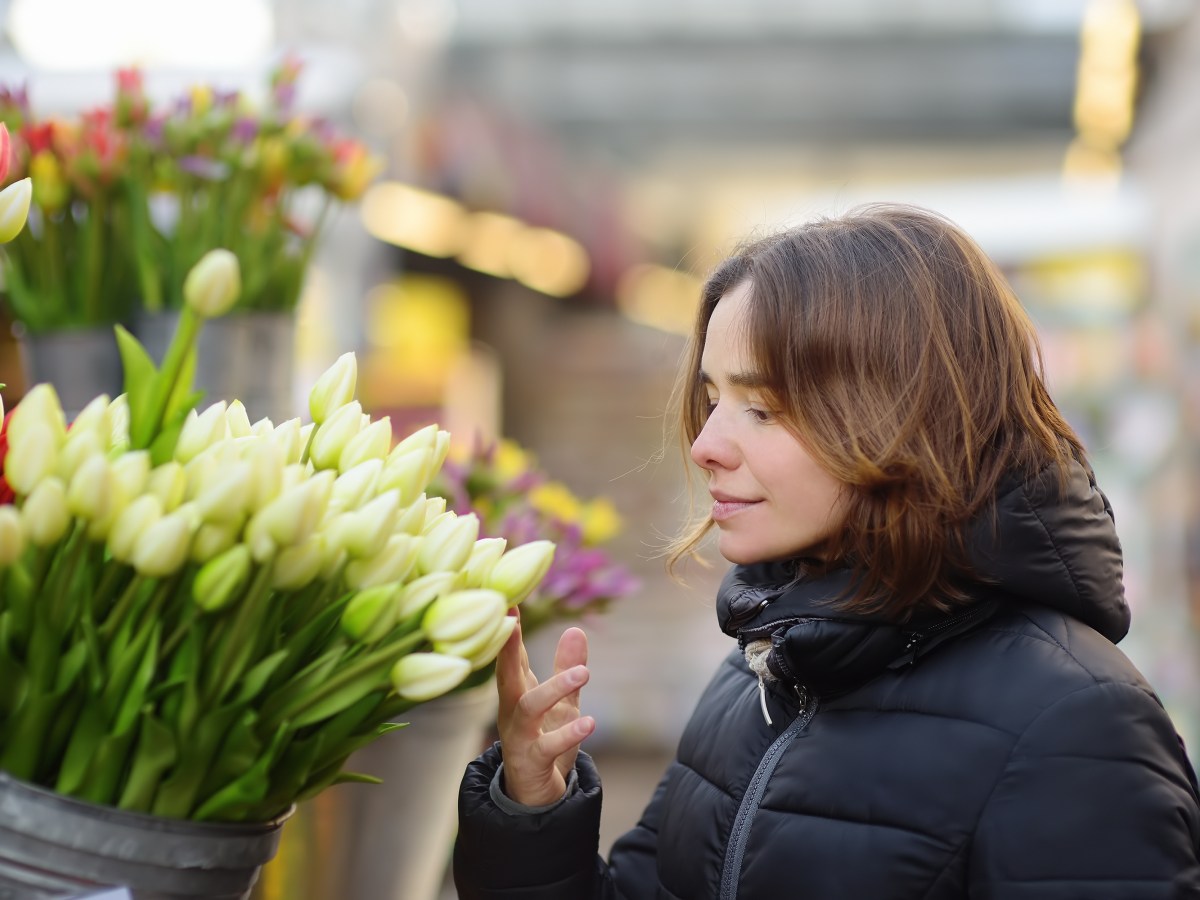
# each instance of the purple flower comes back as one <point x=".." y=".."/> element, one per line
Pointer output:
<point x="244" y="130"/>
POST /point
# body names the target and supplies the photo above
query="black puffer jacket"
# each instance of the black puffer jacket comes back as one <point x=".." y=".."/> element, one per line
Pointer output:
<point x="1007" y="751"/>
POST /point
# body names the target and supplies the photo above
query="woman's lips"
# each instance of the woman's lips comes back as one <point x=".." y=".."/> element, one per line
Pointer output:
<point x="725" y="509"/>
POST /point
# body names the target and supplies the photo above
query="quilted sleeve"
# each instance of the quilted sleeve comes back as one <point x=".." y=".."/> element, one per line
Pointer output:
<point x="1098" y="800"/>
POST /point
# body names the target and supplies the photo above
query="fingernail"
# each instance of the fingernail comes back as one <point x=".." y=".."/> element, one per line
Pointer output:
<point x="576" y="675"/>
<point x="583" y="725"/>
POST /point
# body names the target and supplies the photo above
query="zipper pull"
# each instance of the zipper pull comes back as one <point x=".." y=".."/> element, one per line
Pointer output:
<point x="762" y="699"/>
<point x="915" y="639"/>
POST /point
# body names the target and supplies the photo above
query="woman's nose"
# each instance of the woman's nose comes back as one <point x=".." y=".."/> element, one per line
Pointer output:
<point x="712" y="448"/>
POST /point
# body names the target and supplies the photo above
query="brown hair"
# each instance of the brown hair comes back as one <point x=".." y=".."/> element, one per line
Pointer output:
<point x="898" y="354"/>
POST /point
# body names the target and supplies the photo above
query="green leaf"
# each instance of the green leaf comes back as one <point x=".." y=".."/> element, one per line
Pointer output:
<point x="156" y="752"/>
<point x="140" y="377"/>
<point x="241" y="749"/>
<point x="370" y="681"/>
<point x="163" y="448"/>
<point x="109" y="759"/>
<point x="231" y="802"/>
<point x="135" y="694"/>
<point x="14" y="684"/>
<point x="176" y="796"/>
<point x="70" y="665"/>
<point x="256" y="679"/>
<point x="90" y="727"/>
<point x="389" y="727"/>
<point x="355" y="778"/>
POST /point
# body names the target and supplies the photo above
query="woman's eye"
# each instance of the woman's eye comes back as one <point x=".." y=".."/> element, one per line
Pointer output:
<point x="761" y="415"/>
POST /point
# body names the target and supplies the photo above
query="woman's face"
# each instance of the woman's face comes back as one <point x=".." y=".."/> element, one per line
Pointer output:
<point x="770" y="498"/>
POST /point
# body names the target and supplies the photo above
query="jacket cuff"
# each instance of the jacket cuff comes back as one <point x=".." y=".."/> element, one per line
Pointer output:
<point x="513" y="808"/>
<point x="497" y="850"/>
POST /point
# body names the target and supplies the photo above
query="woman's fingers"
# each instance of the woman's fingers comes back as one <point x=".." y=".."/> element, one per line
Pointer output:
<point x="537" y="702"/>
<point x="572" y="651"/>
<point x="553" y="744"/>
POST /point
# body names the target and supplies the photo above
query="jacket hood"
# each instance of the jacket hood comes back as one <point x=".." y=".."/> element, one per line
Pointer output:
<point x="1039" y="545"/>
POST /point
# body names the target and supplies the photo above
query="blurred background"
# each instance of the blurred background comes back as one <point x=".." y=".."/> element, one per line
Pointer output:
<point x="558" y="176"/>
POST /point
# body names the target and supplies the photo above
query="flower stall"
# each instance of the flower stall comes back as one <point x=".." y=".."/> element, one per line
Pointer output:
<point x="128" y="197"/>
<point x="202" y="617"/>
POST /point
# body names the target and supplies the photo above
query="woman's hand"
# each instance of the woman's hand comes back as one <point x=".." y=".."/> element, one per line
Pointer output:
<point x="539" y="724"/>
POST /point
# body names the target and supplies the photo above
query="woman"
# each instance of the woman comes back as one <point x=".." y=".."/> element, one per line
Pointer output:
<point x="926" y="700"/>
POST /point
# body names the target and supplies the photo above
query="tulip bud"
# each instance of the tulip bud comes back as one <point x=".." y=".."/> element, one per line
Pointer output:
<point x="373" y="442"/>
<point x="296" y="567"/>
<point x="213" y="284"/>
<point x="94" y="417"/>
<point x="39" y="405"/>
<point x="290" y="518"/>
<point x="237" y="421"/>
<point x="263" y="428"/>
<point x="78" y="447"/>
<point x="408" y="473"/>
<point x="14" y="208"/>
<point x="334" y="389"/>
<point x="392" y="563"/>
<point x="421" y="439"/>
<point x="420" y="592"/>
<point x="222" y="497"/>
<point x="474" y="645"/>
<point x="118" y="422"/>
<point x="520" y="570"/>
<point x="169" y="483"/>
<point x="266" y="460"/>
<point x="423" y="676"/>
<point x="463" y="614"/>
<point x="45" y="513"/>
<point x="371" y="613"/>
<point x="492" y="648"/>
<point x="90" y="491"/>
<point x="12" y="535"/>
<point x="434" y="507"/>
<point x="362" y="532"/>
<point x="32" y="457"/>
<point x="355" y="485"/>
<point x="133" y="521"/>
<point x="287" y="437"/>
<point x="447" y="546"/>
<point x="162" y="548"/>
<point x="131" y="472"/>
<point x="483" y="557"/>
<point x="331" y="438"/>
<point x="211" y="540"/>
<point x="219" y="580"/>
<point x="201" y="431"/>
<point x="441" y="449"/>
<point x="411" y="519"/>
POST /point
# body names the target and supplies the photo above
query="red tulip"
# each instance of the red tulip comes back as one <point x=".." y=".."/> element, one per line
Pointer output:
<point x="5" y="152"/>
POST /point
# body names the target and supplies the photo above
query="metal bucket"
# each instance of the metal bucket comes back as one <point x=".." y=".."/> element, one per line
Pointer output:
<point x="54" y="847"/>
<point x="389" y="841"/>
<point x="240" y="356"/>
<point x="80" y="363"/>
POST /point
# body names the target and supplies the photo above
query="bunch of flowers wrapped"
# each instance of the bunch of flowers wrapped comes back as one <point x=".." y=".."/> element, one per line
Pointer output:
<point x="203" y="617"/>
<point x="128" y="197"/>
<point x="517" y="502"/>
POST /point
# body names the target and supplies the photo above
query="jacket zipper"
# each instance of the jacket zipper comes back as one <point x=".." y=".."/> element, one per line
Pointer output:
<point x="915" y="639"/>
<point x="739" y="836"/>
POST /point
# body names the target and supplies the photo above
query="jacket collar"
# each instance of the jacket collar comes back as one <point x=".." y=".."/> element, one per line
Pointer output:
<point x="1059" y="550"/>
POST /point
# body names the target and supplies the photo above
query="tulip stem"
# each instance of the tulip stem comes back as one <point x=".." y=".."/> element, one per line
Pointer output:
<point x="360" y="667"/>
<point x="121" y="608"/>
<point x="308" y="446"/>
<point x="164" y="383"/>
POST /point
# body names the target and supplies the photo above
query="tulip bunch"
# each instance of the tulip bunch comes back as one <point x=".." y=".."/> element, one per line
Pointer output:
<point x="129" y="196"/>
<point x="202" y="617"/>
<point x="517" y="501"/>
